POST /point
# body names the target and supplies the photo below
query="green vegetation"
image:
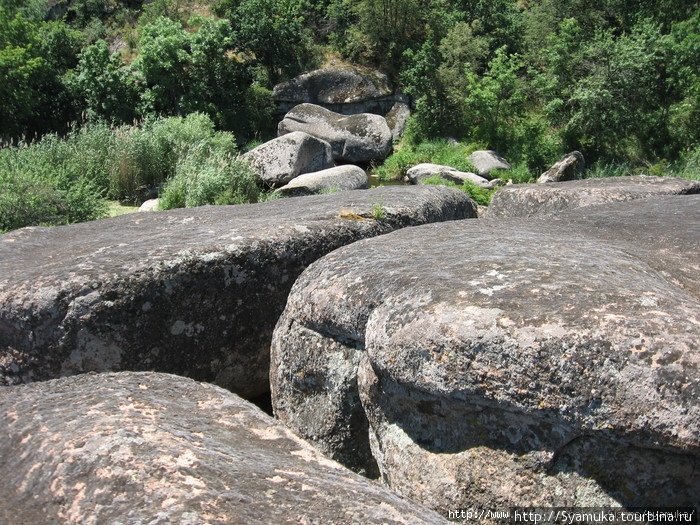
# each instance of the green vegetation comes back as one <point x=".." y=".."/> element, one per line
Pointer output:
<point x="439" y="151"/>
<point x="60" y="181"/>
<point x="614" y="79"/>
<point x="480" y="195"/>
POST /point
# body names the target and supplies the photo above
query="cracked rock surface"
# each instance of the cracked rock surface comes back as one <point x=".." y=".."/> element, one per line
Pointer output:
<point x="488" y="364"/>
<point x="195" y="292"/>
<point x="135" y="448"/>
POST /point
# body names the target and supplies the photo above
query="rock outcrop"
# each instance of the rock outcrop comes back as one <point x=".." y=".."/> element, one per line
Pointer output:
<point x="354" y="138"/>
<point x="135" y="448"/>
<point x="525" y="200"/>
<point x="487" y="161"/>
<point x="343" y="89"/>
<point x="278" y="161"/>
<point x="420" y="172"/>
<point x="569" y="167"/>
<point x="340" y="178"/>
<point x="196" y="292"/>
<point x="397" y="118"/>
<point x="150" y="205"/>
<point x="491" y="364"/>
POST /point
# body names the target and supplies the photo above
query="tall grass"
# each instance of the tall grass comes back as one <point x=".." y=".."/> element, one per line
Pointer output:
<point x="61" y="180"/>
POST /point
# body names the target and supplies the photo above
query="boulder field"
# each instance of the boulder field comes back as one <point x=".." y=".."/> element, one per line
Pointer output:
<point x="526" y="200"/>
<point x="490" y="364"/>
<point x="134" y="448"/>
<point x="195" y="292"/>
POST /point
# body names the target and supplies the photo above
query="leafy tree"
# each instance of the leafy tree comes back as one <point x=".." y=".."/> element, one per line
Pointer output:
<point x="104" y="85"/>
<point x="272" y="32"/>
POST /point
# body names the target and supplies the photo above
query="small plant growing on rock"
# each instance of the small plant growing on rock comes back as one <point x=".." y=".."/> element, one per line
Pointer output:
<point x="378" y="212"/>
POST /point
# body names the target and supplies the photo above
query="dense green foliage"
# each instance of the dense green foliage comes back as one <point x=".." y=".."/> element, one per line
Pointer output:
<point x="63" y="180"/>
<point x="615" y="79"/>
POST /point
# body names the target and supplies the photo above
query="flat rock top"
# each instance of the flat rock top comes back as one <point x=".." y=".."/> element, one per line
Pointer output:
<point x="32" y="257"/>
<point x="592" y="317"/>
<point x="334" y="85"/>
<point x="136" y="448"/>
<point x="522" y="200"/>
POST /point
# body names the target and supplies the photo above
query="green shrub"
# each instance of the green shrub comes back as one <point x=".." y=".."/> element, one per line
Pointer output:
<point x="207" y="176"/>
<point x="454" y="154"/>
<point x="480" y="195"/>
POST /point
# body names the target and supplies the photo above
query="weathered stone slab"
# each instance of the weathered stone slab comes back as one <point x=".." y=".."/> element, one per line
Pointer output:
<point x="354" y="138"/>
<point x="490" y="364"/>
<point x="342" y="89"/>
<point x="340" y="178"/>
<point x="193" y="291"/>
<point x="279" y="160"/>
<point x="485" y="162"/>
<point x="418" y="173"/>
<point x="135" y="448"/>
<point x="569" y="167"/>
<point x="525" y="200"/>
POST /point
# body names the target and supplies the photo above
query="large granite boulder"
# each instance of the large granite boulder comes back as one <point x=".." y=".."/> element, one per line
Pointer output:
<point x="485" y="162"/>
<point x="340" y="178"/>
<point x="492" y="364"/>
<point x="279" y="160"/>
<point x="194" y="292"/>
<point x="418" y="173"/>
<point x="343" y="89"/>
<point x="569" y="167"/>
<point x="354" y="138"/>
<point x="136" y="448"/>
<point x="525" y="200"/>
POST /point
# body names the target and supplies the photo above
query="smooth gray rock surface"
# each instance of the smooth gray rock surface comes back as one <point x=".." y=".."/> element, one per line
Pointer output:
<point x="279" y="160"/>
<point x="396" y="119"/>
<point x="196" y="292"/>
<point x="354" y="138"/>
<point x="569" y="167"/>
<point x="340" y="178"/>
<point x="418" y="173"/>
<point x="150" y="205"/>
<point x="490" y="364"/>
<point x="136" y="448"/>
<point x="487" y="161"/>
<point x="526" y="200"/>
<point x="342" y="89"/>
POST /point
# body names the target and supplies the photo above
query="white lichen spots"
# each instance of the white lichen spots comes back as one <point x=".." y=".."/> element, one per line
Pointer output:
<point x="234" y="274"/>
<point x="649" y="301"/>
<point x="75" y="513"/>
<point x="146" y="306"/>
<point x="180" y="327"/>
<point x="12" y="415"/>
<point x="25" y="439"/>
<point x="143" y="387"/>
<point x="92" y="353"/>
<point x="272" y="433"/>
<point x="277" y="479"/>
<point x="300" y="228"/>
<point x="310" y="455"/>
<point x="490" y="291"/>
<point x="186" y="459"/>
<point x="393" y="513"/>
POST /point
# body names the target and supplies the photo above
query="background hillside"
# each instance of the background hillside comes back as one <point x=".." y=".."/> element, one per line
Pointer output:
<point x="615" y="79"/>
